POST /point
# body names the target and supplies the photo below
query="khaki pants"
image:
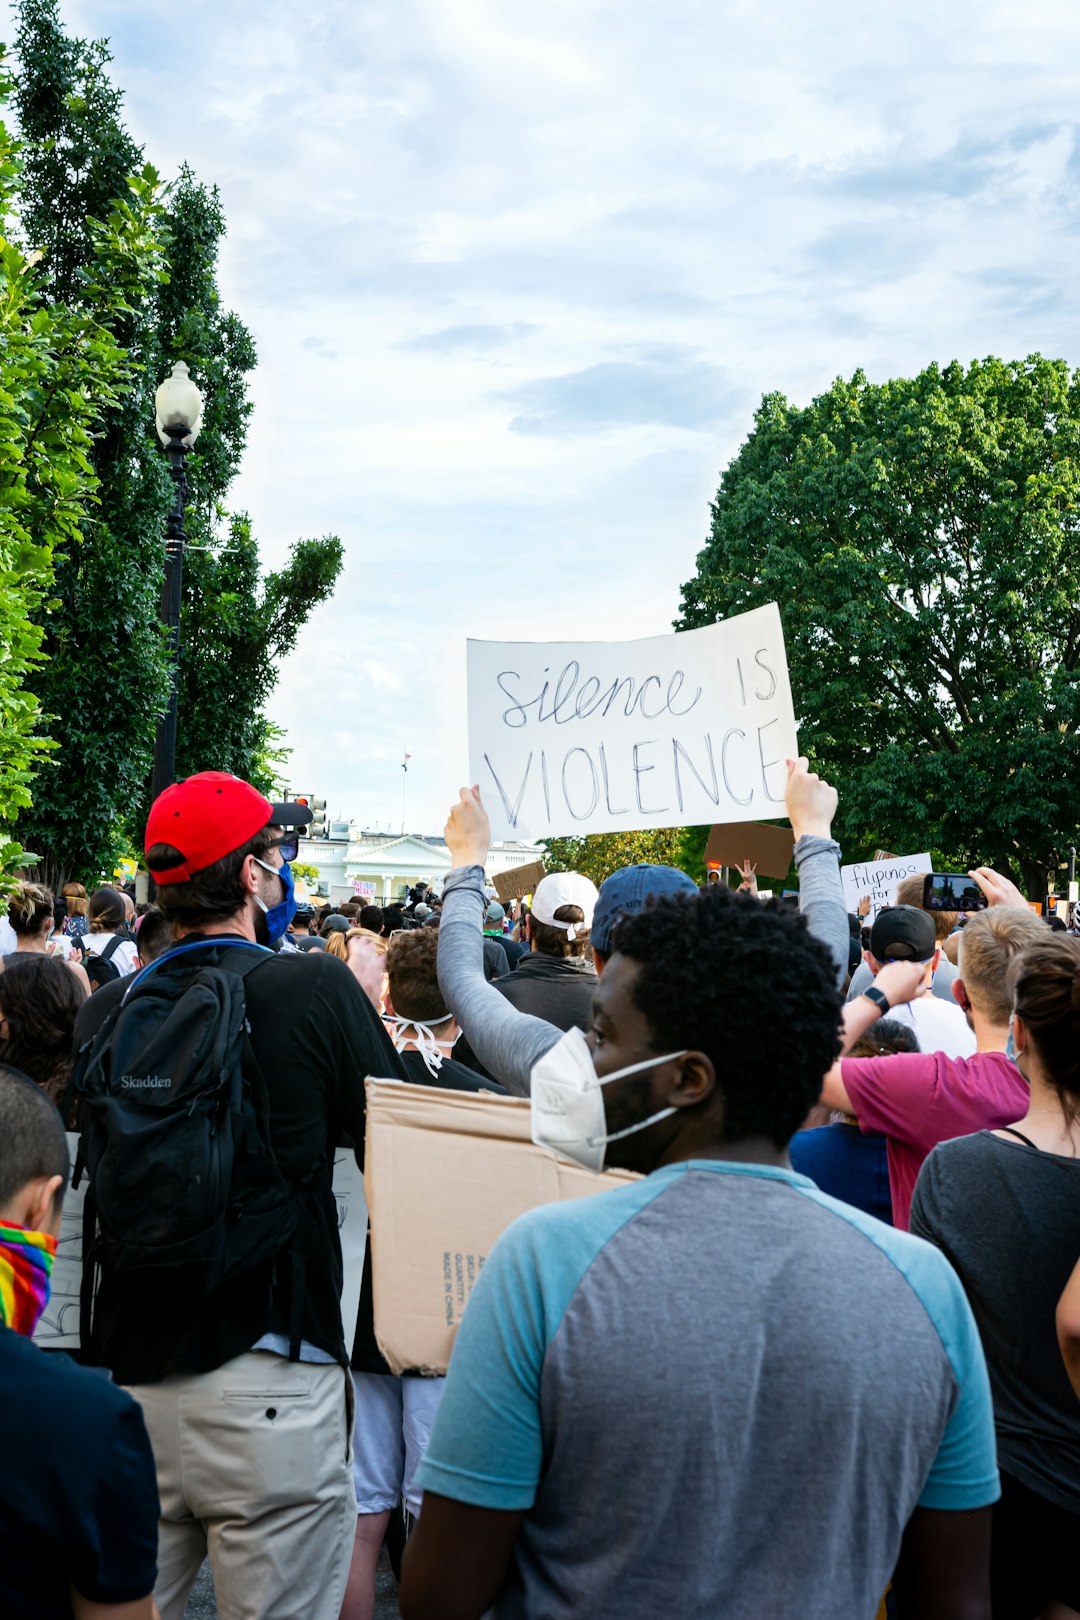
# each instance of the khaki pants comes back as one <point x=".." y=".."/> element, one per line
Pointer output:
<point x="254" y="1468"/>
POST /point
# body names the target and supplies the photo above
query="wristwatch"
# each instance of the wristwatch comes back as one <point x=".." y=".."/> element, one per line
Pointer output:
<point x="878" y="997"/>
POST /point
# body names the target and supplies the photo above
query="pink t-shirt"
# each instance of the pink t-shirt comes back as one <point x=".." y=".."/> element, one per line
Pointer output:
<point x="918" y="1099"/>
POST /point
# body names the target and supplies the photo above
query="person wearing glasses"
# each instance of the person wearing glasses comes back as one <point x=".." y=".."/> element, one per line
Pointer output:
<point x="247" y="1397"/>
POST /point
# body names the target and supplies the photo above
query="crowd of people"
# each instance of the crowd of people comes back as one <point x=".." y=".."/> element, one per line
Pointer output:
<point x="817" y="1356"/>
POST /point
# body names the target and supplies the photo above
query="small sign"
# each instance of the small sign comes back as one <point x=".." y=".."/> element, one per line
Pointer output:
<point x="518" y="882"/>
<point x="768" y="848"/>
<point x="870" y="886"/>
<point x="362" y="887"/>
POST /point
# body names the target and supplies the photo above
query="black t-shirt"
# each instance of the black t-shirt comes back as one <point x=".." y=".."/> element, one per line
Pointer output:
<point x="1008" y="1218"/>
<point x="78" y="1493"/>
<point x="452" y="1076"/>
<point x="316" y="1038"/>
<point x="558" y="989"/>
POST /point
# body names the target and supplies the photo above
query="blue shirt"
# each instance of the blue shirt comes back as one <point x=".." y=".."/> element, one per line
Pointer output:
<point x="721" y="1372"/>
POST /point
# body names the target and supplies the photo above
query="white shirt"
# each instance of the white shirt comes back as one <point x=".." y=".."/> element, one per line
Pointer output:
<point x="938" y="1027"/>
<point x="125" y="958"/>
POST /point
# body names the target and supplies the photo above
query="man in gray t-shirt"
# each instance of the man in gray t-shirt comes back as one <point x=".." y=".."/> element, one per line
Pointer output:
<point x="715" y="1393"/>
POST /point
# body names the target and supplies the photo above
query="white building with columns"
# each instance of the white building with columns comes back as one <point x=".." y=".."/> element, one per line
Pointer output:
<point x="382" y="867"/>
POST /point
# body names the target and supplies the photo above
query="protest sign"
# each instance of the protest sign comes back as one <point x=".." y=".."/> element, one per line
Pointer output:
<point x="446" y="1172"/>
<point x="870" y="886"/>
<point x="363" y="889"/>
<point x="768" y="848"/>
<point x="519" y="881"/>
<point x="615" y="736"/>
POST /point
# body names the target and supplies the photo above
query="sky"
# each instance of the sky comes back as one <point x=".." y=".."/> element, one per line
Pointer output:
<point x="519" y="275"/>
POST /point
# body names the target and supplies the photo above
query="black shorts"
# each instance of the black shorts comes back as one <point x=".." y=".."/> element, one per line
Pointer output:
<point x="1034" y="1553"/>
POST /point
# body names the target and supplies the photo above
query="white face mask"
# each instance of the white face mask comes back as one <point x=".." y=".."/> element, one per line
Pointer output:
<point x="568" y="1103"/>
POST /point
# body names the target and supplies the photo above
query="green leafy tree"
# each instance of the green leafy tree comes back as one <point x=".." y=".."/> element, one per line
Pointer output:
<point x="105" y="680"/>
<point x="234" y="631"/>
<point x="601" y="853"/>
<point x="103" y="683"/>
<point x="920" y="536"/>
<point x="62" y="374"/>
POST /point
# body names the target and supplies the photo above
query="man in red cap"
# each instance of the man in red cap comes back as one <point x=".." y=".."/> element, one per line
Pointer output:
<point x="248" y="1397"/>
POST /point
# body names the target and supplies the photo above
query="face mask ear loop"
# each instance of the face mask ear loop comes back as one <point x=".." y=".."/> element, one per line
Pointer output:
<point x="642" y="1124"/>
<point x="634" y="1068"/>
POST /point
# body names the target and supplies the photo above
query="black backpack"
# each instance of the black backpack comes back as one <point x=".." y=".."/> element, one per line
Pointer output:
<point x="106" y="969"/>
<point x="184" y="1185"/>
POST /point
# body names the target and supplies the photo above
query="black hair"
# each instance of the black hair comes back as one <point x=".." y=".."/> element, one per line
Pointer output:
<point x="371" y="917"/>
<point x="744" y="981"/>
<point x="885" y="1038"/>
<point x="32" y="1140"/>
<point x="212" y="895"/>
<point x="154" y="935"/>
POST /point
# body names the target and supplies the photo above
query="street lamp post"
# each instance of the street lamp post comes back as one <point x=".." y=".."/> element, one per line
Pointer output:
<point x="178" y="405"/>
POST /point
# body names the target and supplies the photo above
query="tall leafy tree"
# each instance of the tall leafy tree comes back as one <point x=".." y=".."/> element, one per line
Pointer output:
<point x="920" y="536"/>
<point x="105" y="680"/>
<point x="63" y="375"/>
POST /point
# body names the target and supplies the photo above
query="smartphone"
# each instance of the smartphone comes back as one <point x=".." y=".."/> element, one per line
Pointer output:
<point x="951" y="891"/>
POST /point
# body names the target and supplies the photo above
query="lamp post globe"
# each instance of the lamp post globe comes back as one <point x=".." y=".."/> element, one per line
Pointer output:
<point x="178" y="418"/>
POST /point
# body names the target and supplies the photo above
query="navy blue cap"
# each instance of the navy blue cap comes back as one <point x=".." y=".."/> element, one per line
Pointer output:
<point x="626" y="891"/>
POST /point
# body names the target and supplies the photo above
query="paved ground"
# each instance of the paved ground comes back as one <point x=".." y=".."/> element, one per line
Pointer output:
<point x="201" y="1605"/>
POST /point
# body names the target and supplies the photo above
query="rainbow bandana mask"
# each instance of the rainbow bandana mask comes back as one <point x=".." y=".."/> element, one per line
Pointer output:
<point x="26" y="1262"/>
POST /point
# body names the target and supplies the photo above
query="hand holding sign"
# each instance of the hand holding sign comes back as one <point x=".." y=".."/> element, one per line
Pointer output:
<point x="811" y="803"/>
<point x="468" y="833"/>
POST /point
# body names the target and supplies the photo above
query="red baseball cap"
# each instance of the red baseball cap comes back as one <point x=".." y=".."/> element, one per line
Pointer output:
<point x="209" y="815"/>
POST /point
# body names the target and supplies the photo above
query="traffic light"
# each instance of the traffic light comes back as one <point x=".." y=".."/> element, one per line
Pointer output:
<point x="714" y="871"/>
<point x="318" y="828"/>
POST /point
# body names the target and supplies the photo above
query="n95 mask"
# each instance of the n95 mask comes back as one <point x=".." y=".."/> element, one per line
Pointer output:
<point x="567" y="1101"/>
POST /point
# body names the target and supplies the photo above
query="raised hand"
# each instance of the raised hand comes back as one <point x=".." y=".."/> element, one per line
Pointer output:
<point x="811" y="803"/>
<point x="468" y="831"/>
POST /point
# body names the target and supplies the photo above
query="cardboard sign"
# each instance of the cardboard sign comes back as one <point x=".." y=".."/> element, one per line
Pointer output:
<point x="520" y="881"/>
<point x="446" y="1172"/>
<point x="870" y="886"/>
<point x="612" y="736"/>
<point x="767" y="848"/>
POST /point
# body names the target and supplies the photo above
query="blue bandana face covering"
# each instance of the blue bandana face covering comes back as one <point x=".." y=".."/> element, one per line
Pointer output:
<point x="280" y="916"/>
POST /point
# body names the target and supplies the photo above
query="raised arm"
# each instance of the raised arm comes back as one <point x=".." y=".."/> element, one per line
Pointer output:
<point x="506" y="1041"/>
<point x="811" y="805"/>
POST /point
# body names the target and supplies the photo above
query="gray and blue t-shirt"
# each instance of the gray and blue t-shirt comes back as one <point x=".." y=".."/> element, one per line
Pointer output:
<point x="714" y="1392"/>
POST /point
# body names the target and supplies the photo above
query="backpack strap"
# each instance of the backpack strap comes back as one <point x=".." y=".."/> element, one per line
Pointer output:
<point x="111" y="948"/>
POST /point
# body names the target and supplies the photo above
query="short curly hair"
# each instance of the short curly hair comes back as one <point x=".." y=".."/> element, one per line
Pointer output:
<point x="744" y="981"/>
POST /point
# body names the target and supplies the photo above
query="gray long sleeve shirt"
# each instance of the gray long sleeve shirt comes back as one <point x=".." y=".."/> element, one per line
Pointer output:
<point x="509" y="1042"/>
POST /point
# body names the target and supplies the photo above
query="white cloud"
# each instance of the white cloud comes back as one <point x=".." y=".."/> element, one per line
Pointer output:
<point x="518" y="275"/>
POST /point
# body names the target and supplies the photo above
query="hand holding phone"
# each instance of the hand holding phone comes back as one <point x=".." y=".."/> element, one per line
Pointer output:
<point x="953" y="891"/>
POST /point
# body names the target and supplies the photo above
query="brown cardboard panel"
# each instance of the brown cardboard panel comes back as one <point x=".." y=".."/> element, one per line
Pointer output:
<point x="770" y="848"/>
<point x="520" y="881"/>
<point x="445" y="1172"/>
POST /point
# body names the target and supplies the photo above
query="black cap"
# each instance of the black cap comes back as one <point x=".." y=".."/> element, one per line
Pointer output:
<point x="903" y="934"/>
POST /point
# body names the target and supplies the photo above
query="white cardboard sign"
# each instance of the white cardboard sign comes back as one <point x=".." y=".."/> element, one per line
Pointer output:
<point x="614" y="736"/>
<point x="876" y="881"/>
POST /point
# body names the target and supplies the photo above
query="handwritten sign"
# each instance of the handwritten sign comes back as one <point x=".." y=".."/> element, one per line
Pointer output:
<point x="363" y="889"/>
<point x="875" y="882"/>
<point x="613" y="736"/>
<point x="518" y="881"/>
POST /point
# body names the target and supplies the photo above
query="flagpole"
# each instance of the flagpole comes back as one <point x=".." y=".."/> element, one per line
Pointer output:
<point x="404" y="785"/>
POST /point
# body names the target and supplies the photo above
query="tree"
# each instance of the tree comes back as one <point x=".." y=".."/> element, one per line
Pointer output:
<point x="105" y="681"/>
<point x="61" y="372"/>
<point x="920" y="536"/>
<point x="602" y="853"/>
<point x="234" y="632"/>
